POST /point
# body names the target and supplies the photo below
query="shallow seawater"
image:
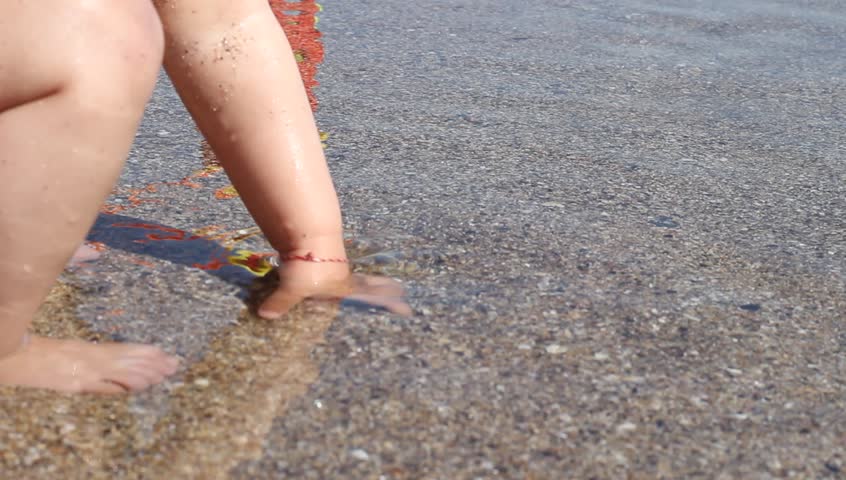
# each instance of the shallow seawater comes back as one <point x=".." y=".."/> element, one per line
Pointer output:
<point x="202" y="422"/>
<point x="239" y="372"/>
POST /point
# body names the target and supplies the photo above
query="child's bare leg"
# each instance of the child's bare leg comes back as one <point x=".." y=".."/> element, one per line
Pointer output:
<point x="74" y="78"/>
<point x="234" y="69"/>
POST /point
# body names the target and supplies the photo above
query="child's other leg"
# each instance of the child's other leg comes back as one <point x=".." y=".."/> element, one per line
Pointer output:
<point x="74" y="78"/>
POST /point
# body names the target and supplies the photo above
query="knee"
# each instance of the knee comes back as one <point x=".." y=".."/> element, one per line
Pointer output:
<point x="119" y="51"/>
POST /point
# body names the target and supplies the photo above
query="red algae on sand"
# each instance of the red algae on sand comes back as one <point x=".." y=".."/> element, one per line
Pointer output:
<point x="304" y="37"/>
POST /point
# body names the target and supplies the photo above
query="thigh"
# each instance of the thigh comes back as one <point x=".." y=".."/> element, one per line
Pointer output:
<point x="30" y="49"/>
<point x="44" y="43"/>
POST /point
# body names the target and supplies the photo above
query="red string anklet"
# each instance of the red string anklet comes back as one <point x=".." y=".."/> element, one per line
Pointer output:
<point x="308" y="257"/>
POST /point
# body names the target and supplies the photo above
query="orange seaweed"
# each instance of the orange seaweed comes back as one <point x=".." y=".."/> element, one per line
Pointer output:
<point x="170" y="232"/>
<point x="256" y="263"/>
<point x="226" y="193"/>
<point x="97" y="246"/>
<point x="142" y="262"/>
<point x="214" y="264"/>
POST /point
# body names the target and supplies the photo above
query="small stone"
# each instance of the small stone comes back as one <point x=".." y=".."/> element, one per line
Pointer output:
<point x="600" y="356"/>
<point x="751" y="307"/>
<point x="360" y="454"/>
<point x="202" y="382"/>
<point x="626" y="427"/>
<point x="663" y="221"/>
<point x="734" y="372"/>
<point x="32" y="455"/>
<point x="556" y="349"/>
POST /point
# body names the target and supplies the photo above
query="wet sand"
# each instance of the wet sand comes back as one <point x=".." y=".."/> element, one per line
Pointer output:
<point x="620" y="225"/>
<point x="213" y="417"/>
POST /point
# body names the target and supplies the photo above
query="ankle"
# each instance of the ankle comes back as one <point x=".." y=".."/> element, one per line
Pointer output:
<point x="322" y="246"/>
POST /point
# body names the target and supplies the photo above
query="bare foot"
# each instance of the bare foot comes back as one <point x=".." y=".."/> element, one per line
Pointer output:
<point x="85" y="253"/>
<point x="76" y="366"/>
<point x="299" y="281"/>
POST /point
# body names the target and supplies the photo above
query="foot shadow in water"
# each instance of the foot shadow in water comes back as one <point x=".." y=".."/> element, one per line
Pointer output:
<point x="143" y="237"/>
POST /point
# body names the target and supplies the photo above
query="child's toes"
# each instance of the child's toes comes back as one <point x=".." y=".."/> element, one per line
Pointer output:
<point x="85" y="253"/>
<point x="156" y="366"/>
<point x="154" y="355"/>
<point x="107" y="387"/>
<point x="131" y="380"/>
<point x="140" y="351"/>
